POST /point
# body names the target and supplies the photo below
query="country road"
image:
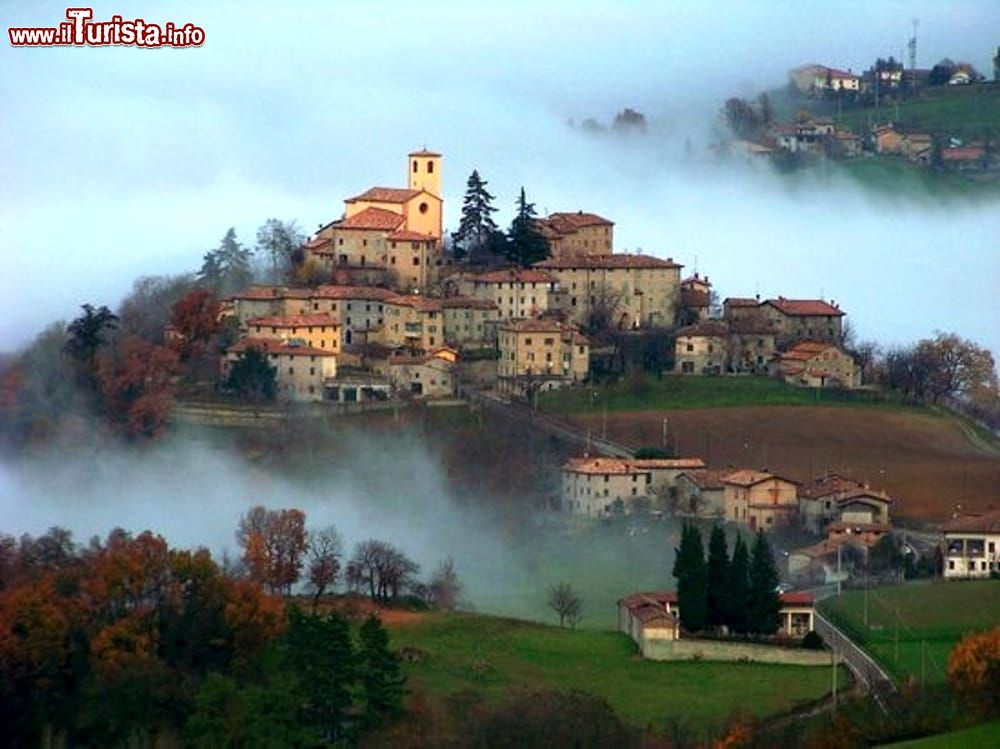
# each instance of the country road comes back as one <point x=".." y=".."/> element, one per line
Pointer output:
<point x="866" y="671"/>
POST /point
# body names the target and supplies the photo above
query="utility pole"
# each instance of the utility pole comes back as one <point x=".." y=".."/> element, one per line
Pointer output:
<point x="839" y="576"/>
<point x="665" y="433"/>
<point x="833" y="664"/>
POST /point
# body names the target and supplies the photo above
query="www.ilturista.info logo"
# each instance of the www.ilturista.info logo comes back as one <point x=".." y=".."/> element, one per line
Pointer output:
<point x="81" y="31"/>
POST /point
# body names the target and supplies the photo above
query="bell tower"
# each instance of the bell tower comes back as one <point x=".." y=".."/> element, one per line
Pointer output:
<point x="424" y="171"/>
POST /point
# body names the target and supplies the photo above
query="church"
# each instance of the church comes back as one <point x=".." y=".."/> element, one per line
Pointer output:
<point x="388" y="235"/>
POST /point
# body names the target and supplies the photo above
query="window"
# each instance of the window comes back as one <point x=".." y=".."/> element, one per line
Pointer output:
<point x="549" y="341"/>
<point x="312" y="370"/>
<point x="527" y="341"/>
<point x="291" y="370"/>
<point x="430" y="167"/>
<point x="690" y="347"/>
<point x="423" y="207"/>
<point x="416" y="261"/>
<point x="414" y="166"/>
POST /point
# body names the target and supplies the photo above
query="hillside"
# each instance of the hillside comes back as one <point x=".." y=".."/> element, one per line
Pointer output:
<point x="493" y="656"/>
<point x="924" y="459"/>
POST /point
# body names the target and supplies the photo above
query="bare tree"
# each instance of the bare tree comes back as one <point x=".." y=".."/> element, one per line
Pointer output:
<point x="445" y="588"/>
<point x="566" y="603"/>
<point x="381" y="568"/>
<point x="604" y="311"/>
<point x="325" y="552"/>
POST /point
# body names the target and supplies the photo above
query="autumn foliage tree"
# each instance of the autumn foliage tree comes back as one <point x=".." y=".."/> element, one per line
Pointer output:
<point x="137" y="386"/>
<point x="194" y="319"/>
<point x="974" y="670"/>
<point x="274" y="544"/>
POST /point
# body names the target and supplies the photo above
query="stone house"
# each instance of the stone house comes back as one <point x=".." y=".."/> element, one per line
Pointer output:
<point x="598" y="486"/>
<point x="422" y="376"/>
<point x="702" y="348"/>
<point x="818" y="500"/>
<point x="972" y="545"/>
<point x="413" y="322"/>
<point x="470" y="323"/>
<point x="360" y="309"/>
<point x="301" y="371"/>
<point x="631" y="291"/>
<point x="887" y="140"/>
<point x="759" y="499"/>
<point x="541" y="354"/>
<point x="517" y="292"/>
<point x="796" y="320"/>
<point x="700" y="493"/>
<point x="695" y="300"/>
<point x="819" y="365"/>
<point x="573" y="234"/>
<point x="751" y="344"/>
<point x="267" y="301"/>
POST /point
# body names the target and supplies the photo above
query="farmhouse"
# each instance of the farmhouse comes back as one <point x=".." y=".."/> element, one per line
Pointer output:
<point x="573" y="234"/>
<point x="751" y="344"/>
<point x="759" y="499"/>
<point x="300" y="370"/>
<point x="702" y="348"/>
<point x="431" y="376"/>
<point x="811" y="79"/>
<point x="630" y="291"/>
<point x="599" y="486"/>
<point x="819" y="365"/>
<point x="541" y="354"/>
<point x="700" y="493"/>
<point x="818" y="500"/>
<point x="696" y="300"/>
<point x="972" y="545"/>
<point x="887" y="140"/>
<point x="803" y="319"/>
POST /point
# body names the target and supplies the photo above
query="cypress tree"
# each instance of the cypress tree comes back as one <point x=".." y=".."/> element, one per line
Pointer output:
<point x="765" y="604"/>
<point x="738" y="593"/>
<point x="692" y="580"/>
<point x="525" y="244"/>
<point x="718" y="577"/>
<point x="381" y="682"/>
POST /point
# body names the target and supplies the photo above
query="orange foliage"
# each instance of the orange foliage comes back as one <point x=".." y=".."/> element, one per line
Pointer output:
<point x="125" y="644"/>
<point x="35" y="627"/>
<point x="138" y="386"/>
<point x="274" y="542"/>
<point x="195" y="320"/>
<point x="739" y="735"/>
<point x="254" y="618"/>
<point x="974" y="666"/>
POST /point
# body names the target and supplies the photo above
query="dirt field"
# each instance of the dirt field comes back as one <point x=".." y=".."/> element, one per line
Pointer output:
<point x="925" y="461"/>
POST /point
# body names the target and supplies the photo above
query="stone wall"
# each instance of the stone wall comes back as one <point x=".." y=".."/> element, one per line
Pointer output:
<point x="721" y="650"/>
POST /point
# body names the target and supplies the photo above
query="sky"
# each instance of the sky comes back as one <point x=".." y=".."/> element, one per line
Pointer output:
<point x="119" y="162"/>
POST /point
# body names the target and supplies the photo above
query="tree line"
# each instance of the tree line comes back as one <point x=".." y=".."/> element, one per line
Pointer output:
<point x="735" y="594"/>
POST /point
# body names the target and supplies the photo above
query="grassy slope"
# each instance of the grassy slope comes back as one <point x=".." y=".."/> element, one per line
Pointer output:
<point x="676" y="391"/>
<point x="936" y="614"/>
<point x="961" y="110"/>
<point x="493" y="655"/>
<point x="985" y="735"/>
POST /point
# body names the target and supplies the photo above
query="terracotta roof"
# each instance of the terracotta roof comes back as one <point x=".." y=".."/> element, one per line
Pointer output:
<point x="370" y="293"/>
<point x="737" y="301"/>
<point x="608" y="261"/>
<point x="275" y="346"/>
<point x="294" y="321"/>
<point x="423" y="152"/>
<point x="964" y="153"/>
<point x="316" y="243"/>
<point x="624" y="466"/>
<point x="696" y="279"/>
<point x="417" y="302"/>
<point x="797" y="598"/>
<point x="372" y="219"/>
<point x="511" y="275"/>
<point x="806" y="350"/>
<point x="749" y="477"/>
<point x="707" y="329"/>
<point x="385" y="195"/>
<point x="828" y="485"/>
<point x="405" y="235"/>
<point x="260" y="293"/>
<point x="651" y="614"/>
<point x="706" y="479"/>
<point x="638" y="600"/>
<point x="538" y="325"/>
<point x="804" y="307"/>
<point x="863" y="493"/>
<point x="985" y="522"/>
<point x="569" y="223"/>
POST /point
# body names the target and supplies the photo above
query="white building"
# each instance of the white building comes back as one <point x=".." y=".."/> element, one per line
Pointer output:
<point x="972" y="545"/>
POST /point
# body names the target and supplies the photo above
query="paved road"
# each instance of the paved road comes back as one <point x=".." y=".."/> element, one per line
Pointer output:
<point x="866" y="671"/>
<point x="550" y="424"/>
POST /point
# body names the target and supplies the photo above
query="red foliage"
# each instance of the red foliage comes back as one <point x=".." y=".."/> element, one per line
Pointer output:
<point x="138" y="386"/>
<point x="274" y="543"/>
<point x="194" y="321"/>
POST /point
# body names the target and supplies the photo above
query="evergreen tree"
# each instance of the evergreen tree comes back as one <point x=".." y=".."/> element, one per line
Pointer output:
<point x="477" y="225"/>
<point x="252" y="377"/>
<point x="321" y="654"/>
<point x="692" y="579"/>
<point x="382" y="685"/>
<point x="738" y="590"/>
<point x="765" y="605"/>
<point x="718" y="577"/>
<point x="227" y="268"/>
<point x="525" y="244"/>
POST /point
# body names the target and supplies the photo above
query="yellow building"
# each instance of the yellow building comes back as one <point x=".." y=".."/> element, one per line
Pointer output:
<point x="573" y="234"/>
<point x="541" y="354"/>
<point x="819" y="365"/>
<point x="634" y="291"/>
<point x="389" y="234"/>
<point x="301" y="371"/>
<point x="317" y="331"/>
<point x="759" y="499"/>
<point x="517" y="292"/>
<point x="413" y="322"/>
<point x="702" y="348"/>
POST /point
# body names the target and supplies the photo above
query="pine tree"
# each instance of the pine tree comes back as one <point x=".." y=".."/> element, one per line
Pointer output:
<point x="227" y="268"/>
<point x="718" y="577"/>
<point x="692" y="579"/>
<point x="765" y="605"/>
<point x="381" y="683"/>
<point x="738" y="590"/>
<point x="252" y="376"/>
<point x="477" y="223"/>
<point x="525" y="244"/>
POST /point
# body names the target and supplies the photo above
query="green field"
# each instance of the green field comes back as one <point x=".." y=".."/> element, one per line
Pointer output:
<point x="677" y="391"/>
<point x="932" y="618"/>
<point x="493" y="655"/>
<point x="906" y="180"/>
<point x="985" y="736"/>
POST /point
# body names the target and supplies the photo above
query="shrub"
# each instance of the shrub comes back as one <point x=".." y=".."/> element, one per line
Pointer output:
<point x="812" y="641"/>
